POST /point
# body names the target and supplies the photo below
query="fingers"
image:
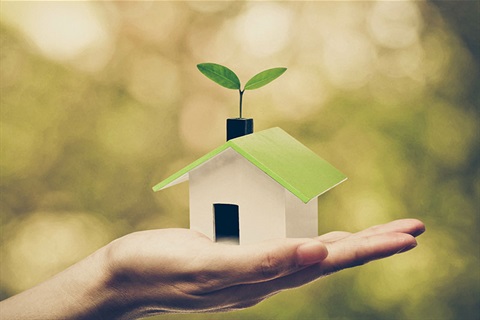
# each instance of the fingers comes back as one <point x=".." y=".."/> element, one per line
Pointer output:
<point x="345" y="253"/>
<point x="352" y="252"/>
<point x="280" y="264"/>
<point x="370" y="244"/>
<point x="277" y="258"/>
<point x="409" y="226"/>
<point x="413" y="227"/>
<point x="417" y="227"/>
<point x="357" y="251"/>
<point x="279" y="261"/>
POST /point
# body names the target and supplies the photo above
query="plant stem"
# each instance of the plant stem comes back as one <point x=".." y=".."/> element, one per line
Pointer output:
<point x="241" y="98"/>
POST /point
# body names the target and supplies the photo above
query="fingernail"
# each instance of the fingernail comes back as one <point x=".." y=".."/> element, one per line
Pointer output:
<point x="311" y="252"/>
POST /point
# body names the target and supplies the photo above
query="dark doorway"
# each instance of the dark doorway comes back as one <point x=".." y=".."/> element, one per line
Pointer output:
<point x="226" y="223"/>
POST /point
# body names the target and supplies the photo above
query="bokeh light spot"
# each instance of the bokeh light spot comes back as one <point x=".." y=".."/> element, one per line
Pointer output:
<point x="264" y="29"/>
<point x="64" y="31"/>
<point x="301" y="95"/>
<point x="395" y="24"/>
<point x="349" y="59"/>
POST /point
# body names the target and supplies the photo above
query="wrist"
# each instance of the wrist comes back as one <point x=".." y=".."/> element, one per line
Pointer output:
<point x="107" y="298"/>
<point x="92" y="295"/>
<point x="129" y="291"/>
<point x="116" y="295"/>
<point x="79" y="292"/>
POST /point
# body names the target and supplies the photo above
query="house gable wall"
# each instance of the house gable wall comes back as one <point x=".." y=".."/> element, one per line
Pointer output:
<point x="230" y="178"/>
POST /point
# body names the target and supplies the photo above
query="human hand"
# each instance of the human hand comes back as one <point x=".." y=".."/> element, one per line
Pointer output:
<point x="180" y="270"/>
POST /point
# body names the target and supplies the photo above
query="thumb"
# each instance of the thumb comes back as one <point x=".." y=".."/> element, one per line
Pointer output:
<point x="310" y="253"/>
<point x="271" y="259"/>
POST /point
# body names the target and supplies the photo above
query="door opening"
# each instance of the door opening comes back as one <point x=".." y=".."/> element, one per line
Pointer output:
<point x="226" y="223"/>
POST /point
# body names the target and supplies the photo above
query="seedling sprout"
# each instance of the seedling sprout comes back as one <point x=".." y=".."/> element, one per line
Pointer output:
<point x="228" y="79"/>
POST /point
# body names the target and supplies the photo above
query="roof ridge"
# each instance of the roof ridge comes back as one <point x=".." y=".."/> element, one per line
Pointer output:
<point x="259" y="164"/>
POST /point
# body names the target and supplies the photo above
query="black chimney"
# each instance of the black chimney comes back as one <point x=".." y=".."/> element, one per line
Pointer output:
<point x="237" y="127"/>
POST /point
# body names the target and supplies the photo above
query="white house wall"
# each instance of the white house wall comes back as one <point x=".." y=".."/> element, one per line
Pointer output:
<point x="230" y="178"/>
<point x="301" y="218"/>
<point x="263" y="200"/>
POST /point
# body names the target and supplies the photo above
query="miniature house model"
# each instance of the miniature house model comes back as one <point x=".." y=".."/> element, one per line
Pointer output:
<point x="255" y="187"/>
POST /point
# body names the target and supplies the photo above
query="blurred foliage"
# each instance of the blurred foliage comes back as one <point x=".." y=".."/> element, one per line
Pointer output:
<point x="101" y="100"/>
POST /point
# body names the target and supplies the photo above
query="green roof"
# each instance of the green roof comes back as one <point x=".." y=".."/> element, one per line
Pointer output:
<point x="279" y="155"/>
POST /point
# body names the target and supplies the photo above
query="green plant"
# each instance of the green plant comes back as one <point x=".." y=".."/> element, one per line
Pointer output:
<point x="228" y="79"/>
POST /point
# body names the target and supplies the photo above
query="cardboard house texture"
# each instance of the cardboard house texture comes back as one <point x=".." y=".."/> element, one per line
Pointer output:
<point x="255" y="187"/>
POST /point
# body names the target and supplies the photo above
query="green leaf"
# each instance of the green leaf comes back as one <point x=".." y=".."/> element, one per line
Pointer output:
<point x="220" y="74"/>
<point x="264" y="78"/>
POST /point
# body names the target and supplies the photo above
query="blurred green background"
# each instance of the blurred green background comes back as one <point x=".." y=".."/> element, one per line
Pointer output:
<point x="102" y="100"/>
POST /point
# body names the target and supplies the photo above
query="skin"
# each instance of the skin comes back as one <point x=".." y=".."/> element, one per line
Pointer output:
<point x="180" y="270"/>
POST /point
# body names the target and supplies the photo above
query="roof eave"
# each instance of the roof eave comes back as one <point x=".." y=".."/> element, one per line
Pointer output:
<point x="182" y="175"/>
